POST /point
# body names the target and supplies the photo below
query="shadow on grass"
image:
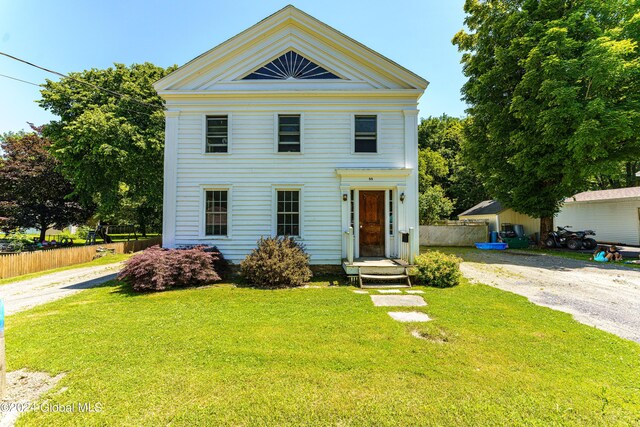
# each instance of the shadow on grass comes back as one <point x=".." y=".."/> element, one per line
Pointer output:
<point x="319" y="281"/>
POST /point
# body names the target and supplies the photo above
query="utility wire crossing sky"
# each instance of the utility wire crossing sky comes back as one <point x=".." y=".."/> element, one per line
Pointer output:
<point x="73" y="35"/>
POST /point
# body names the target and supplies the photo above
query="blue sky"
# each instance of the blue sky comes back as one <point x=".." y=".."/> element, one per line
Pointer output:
<point x="75" y="35"/>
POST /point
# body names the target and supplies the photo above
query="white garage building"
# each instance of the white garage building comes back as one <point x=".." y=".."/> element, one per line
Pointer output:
<point x="613" y="214"/>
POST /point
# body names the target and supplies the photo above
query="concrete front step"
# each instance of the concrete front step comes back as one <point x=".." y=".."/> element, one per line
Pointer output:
<point x="384" y="285"/>
<point x="382" y="280"/>
<point x="384" y="276"/>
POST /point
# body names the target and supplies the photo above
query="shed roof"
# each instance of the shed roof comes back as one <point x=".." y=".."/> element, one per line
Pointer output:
<point x="614" y="194"/>
<point x="486" y="207"/>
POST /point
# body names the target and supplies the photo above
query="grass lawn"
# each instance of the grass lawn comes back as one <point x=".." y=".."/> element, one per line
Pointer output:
<point x="322" y="356"/>
<point x="106" y="259"/>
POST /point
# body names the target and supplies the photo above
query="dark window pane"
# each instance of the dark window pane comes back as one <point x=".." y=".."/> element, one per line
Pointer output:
<point x="365" y="146"/>
<point x="365" y="134"/>
<point x="289" y="133"/>
<point x="365" y="123"/>
<point x="289" y="138"/>
<point x="217" y="149"/>
<point x="289" y="148"/>
<point x="216" y="213"/>
<point x="217" y="134"/>
<point x="289" y="119"/>
<point x="288" y="215"/>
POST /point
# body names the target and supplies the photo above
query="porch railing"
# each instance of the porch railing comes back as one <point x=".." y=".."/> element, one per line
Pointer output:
<point x="349" y="244"/>
<point x="406" y="251"/>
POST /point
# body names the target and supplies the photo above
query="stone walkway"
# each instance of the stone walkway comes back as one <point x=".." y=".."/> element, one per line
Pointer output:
<point x="391" y="298"/>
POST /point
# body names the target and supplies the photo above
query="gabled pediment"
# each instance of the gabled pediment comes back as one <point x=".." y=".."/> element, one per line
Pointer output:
<point x="290" y="50"/>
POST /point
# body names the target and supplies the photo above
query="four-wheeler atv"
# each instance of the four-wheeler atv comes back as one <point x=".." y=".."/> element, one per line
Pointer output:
<point x="573" y="240"/>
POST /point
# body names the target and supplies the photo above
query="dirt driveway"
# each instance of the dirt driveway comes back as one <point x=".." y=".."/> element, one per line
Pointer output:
<point x="606" y="296"/>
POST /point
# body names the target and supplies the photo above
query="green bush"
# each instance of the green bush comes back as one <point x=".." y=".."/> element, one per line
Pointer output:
<point x="437" y="269"/>
<point x="83" y="231"/>
<point x="277" y="263"/>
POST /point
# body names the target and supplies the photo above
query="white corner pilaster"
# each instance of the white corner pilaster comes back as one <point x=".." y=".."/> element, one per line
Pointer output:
<point x="170" y="178"/>
<point x="346" y="215"/>
<point x="411" y="162"/>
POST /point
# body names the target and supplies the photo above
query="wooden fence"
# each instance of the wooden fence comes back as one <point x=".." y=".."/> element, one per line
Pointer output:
<point x="12" y="265"/>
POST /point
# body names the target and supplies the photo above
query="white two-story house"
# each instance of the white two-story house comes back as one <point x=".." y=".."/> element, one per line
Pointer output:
<point x="292" y="128"/>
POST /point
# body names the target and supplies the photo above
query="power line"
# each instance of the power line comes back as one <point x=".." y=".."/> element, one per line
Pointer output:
<point x="20" y="80"/>
<point x="41" y="85"/>
<point x="80" y="81"/>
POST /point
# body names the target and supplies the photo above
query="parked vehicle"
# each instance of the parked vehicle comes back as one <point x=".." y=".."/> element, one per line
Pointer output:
<point x="573" y="240"/>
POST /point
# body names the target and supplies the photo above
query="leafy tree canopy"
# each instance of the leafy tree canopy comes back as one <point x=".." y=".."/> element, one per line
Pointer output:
<point x="440" y="163"/>
<point x="32" y="192"/>
<point x="554" y="94"/>
<point x="433" y="205"/>
<point x="111" y="146"/>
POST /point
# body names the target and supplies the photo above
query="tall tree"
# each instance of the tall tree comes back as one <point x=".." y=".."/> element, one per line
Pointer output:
<point x="110" y="142"/>
<point x="554" y="94"/>
<point x="32" y="192"/>
<point x="440" y="140"/>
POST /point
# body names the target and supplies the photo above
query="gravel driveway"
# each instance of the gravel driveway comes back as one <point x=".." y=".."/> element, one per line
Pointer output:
<point x="19" y="296"/>
<point x="606" y="296"/>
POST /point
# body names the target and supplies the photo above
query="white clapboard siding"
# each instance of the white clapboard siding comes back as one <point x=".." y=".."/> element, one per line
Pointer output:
<point x="615" y="221"/>
<point x="253" y="168"/>
<point x="213" y="84"/>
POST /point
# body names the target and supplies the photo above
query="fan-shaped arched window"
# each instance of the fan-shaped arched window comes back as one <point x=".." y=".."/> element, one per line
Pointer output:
<point x="290" y="66"/>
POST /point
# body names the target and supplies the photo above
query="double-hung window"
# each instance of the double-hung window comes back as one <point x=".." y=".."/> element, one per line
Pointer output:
<point x="366" y="134"/>
<point x="289" y="133"/>
<point x="288" y="213"/>
<point x="217" y="134"/>
<point x="216" y="212"/>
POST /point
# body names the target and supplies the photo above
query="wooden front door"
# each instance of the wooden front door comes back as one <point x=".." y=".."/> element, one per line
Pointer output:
<point x="371" y="223"/>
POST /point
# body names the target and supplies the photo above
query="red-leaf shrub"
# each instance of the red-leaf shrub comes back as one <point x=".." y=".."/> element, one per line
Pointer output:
<point x="277" y="263"/>
<point x="157" y="269"/>
<point x="220" y="264"/>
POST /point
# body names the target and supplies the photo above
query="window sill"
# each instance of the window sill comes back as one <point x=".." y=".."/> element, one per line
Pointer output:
<point x="213" y="238"/>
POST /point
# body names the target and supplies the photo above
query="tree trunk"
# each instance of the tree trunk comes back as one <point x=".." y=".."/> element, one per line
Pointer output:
<point x="43" y="233"/>
<point x="143" y="228"/>
<point x="546" y="227"/>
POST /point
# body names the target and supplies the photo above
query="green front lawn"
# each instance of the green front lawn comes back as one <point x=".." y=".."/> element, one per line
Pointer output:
<point x="322" y="356"/>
